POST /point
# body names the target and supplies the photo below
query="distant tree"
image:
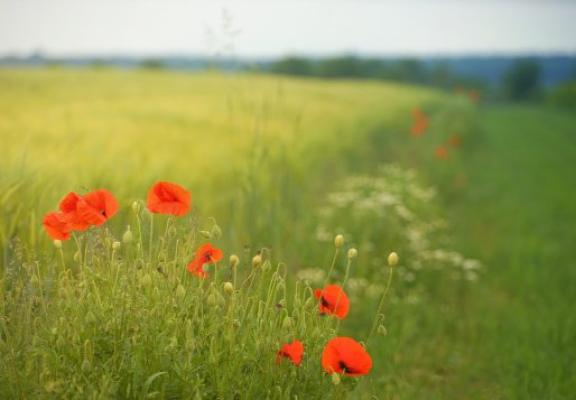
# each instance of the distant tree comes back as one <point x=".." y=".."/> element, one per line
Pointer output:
<point x="522" y="81"/>
<point x="293" y="66"/>
<point x="409" y="70"/>
<point x="152" y="63"/>
<point x="441" y="76"/>
<point x="340" y="67"/>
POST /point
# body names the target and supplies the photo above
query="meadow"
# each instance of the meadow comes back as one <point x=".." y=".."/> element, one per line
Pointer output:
<point x="479" y="206"/>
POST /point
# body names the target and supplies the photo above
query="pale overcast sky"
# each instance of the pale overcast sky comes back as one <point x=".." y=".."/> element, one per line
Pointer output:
<point x="271" y="28"/>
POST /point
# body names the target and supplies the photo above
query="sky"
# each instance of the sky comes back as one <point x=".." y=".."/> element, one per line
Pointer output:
<point x="270" y="28"/>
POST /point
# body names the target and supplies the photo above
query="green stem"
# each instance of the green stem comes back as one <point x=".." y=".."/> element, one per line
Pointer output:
<point x="377" y="319"/>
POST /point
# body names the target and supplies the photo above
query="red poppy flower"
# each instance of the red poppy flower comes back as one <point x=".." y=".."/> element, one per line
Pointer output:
<point x="420" y="122"/>
<point x="293" y="351"/>
<point x="96" y="207"/>
<point x="455" y="141"/>
<point x="333" y="301"/>
<point x="474" y="95"/>
<point x="344" y="355"/>
<point x="205" y="254"/>
<point x="56" y="226"/>
<point x="441" y="153"/>
<point x="168" y="198"/>
<point x="69" y="206"/>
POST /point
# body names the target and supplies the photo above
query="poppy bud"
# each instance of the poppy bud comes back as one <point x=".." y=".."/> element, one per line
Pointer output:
<point x="136" y="207"/>
<point x="127" y="237"/>
<point x="287" y="323"/>
<point x="206" y="234"/>
<point x="236" y="323"/>
<point x="335" y="378"/>
<point x="339" y="241"/>
<point x="352" y="253"/>
<point x="382" y="330"/>
<point x="34" y="279"/>
<point x="256" y="260"/>
<point x="392" y="259"/>
<point x="116" y="246"/>
<point x="180" y="291"/>
<point x="228" y="287"/>
<point x="58" y="244"/>
<point x="234" y="261"/>
<point x="77" y="256"/>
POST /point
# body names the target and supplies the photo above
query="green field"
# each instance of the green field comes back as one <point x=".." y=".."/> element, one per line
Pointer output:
<point x="266" y="157"/>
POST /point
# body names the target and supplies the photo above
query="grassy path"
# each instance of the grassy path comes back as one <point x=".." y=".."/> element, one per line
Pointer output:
<point x="518" y="214"/>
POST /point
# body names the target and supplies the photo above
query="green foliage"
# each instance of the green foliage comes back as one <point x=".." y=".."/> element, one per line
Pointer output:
<point x="564" y="95"/>
<point x="106" y="319"/>
<point x="522" y="81"/>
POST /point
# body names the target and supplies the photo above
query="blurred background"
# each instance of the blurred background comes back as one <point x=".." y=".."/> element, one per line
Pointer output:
<point x="443" y="130"/>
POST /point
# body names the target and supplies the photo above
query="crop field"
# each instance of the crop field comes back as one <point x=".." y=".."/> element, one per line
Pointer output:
<point x="344" y="239"/>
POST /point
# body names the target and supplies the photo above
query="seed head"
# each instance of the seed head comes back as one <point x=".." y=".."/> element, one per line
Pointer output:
<point x="58" y="244"/>
<point x="393" y="259"/>
<point x="339" y="241"/>
<point x="116" y="246"/>
<point x="352" y="253"/>
<point x="234" y="261"/>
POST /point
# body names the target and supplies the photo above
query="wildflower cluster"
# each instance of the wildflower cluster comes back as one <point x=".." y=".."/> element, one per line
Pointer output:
<point x="174" y="320"/>
<point x="394" y="208"/>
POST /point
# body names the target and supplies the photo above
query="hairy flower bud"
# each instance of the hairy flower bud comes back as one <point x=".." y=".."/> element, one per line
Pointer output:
<point x="136" y="207"/>
<point x="58" y="244"/>
<point x="352" y="253"/>
<point x="228" y="287"/>
<point x="339" y="241"/>
<point x="234" y="261"/>
<point x="116" y="246"/>
<point x="393" y="259"/>
<point x="257" y="260"/>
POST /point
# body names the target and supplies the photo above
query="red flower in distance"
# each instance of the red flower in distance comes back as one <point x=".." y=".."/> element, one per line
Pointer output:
<point x="344" y="355"/>
<point x="333" y="301"/>
<point x="455" y="141"/>
<point x="419" y="123"/>
<point x="293" y="351"/>
<point x="56" y="226"/>
<point x="441" y="153"/>
<point x="168" y="198"/>
<point x="205" y="254"/>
